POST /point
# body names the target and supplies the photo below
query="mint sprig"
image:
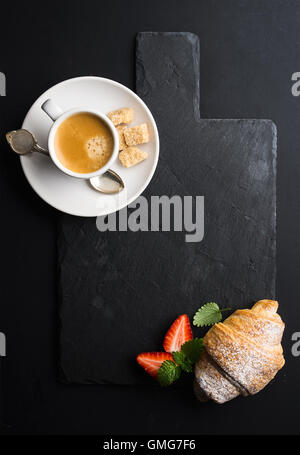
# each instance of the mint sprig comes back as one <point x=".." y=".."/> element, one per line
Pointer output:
<point x="193" y="349"/>
<point x="184" y="360"/>
<point x="168" y="373"/>
<point x="208" y="314"/>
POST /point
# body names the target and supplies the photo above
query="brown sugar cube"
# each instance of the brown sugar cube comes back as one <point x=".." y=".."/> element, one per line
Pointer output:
<point x="120" y="129"/>
<point x="124" y="115"/>
<point x="136" y="135"/>
<point x="131" y="156"/>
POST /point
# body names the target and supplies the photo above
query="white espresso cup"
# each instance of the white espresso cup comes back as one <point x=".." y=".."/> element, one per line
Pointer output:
<point x="58" y="116"/>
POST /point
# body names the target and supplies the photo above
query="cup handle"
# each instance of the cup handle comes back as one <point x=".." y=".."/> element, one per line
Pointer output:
<point x="51" y="109"/>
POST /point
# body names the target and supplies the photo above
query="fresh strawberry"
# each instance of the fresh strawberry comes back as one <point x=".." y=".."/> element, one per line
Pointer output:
<point x="179" y="332"/>
<point x="151" y="361"/>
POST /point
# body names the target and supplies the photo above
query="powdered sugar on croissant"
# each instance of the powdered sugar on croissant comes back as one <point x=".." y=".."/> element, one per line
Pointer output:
<point x="242" y="354"/>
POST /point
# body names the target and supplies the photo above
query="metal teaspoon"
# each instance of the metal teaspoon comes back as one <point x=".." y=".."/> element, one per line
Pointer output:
<point x="23" y="142"/>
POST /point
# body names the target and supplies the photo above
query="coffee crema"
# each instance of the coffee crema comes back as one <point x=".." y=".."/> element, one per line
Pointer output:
<point x="83" y="143"/>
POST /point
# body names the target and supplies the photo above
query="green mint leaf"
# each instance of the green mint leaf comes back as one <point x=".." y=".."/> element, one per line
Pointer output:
<point x="168" y="373"/>
<point x="208" y="314"/>
<point x="183" y="361"/>
<point x="192" y="349"/>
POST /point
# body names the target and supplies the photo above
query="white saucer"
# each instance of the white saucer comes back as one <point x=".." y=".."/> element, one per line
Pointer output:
<point x="75" y="196"/>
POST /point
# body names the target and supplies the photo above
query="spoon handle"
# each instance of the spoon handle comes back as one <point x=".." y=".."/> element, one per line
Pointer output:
<point x="39" y="149"/>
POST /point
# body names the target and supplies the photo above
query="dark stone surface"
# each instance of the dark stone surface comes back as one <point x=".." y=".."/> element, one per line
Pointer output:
<point x="121" y="290"/>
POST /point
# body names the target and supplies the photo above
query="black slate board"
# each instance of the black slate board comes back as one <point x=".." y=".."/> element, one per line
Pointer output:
<point x="121" y="290"/>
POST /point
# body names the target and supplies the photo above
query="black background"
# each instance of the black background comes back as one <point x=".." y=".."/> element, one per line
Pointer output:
<point x="249" y="50"/>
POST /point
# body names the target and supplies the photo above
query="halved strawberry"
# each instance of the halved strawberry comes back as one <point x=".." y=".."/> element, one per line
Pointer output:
<point x="179" y="332"/>
<point x="151" y="361"/>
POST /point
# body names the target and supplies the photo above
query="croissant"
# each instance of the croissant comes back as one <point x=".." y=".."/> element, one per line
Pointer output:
<point x="241" y="355"/>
